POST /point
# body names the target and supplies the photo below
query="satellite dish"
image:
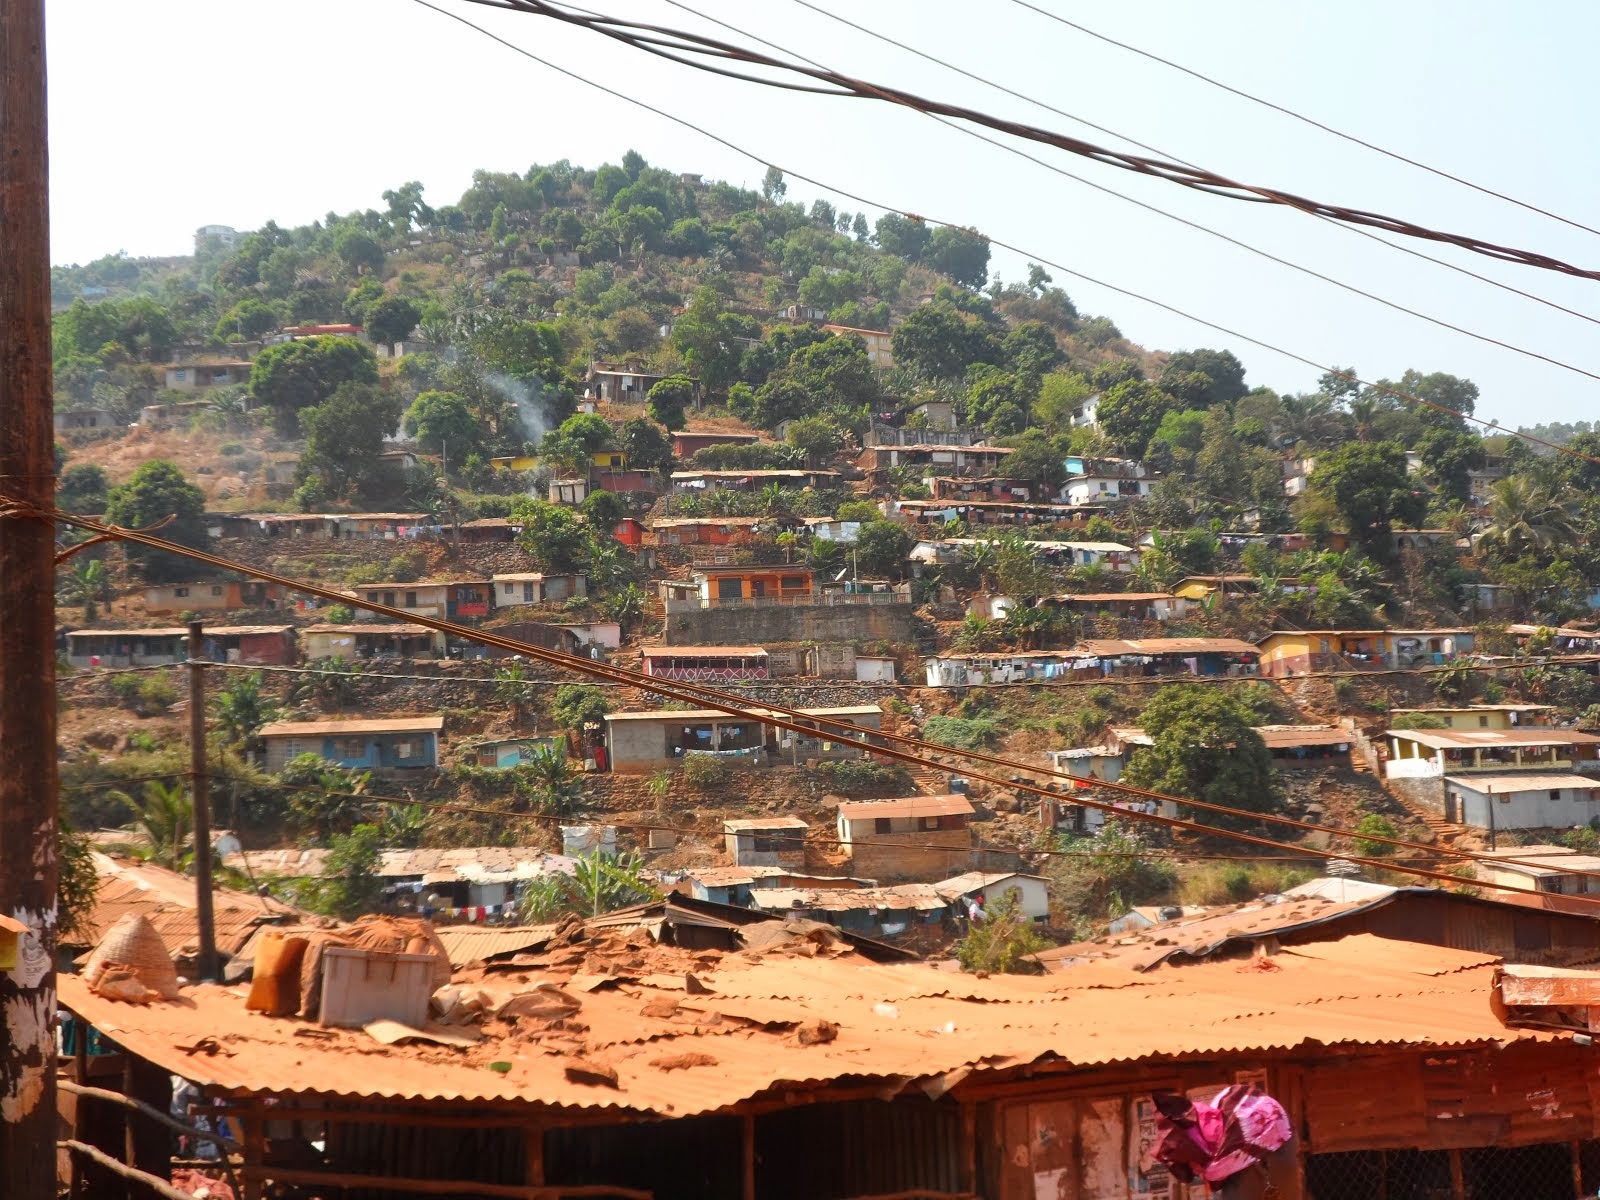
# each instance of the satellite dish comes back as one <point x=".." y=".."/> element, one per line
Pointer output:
<point x="843" y="571"/>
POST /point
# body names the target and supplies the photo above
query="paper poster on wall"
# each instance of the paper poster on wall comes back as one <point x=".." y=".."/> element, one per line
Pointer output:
<point x="1146" y="1177"/>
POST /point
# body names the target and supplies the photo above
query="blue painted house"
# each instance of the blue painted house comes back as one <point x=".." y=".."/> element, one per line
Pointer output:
<point x="503" y="753"/>
<point x="389" y="744"/>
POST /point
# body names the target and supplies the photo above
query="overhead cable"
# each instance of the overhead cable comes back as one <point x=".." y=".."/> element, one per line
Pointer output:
<point x="703" y="54"/>
<point x="1301" y="117"/>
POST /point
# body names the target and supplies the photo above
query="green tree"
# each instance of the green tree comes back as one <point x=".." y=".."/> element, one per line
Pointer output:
<point x="242" y="707"/>
<point x="156" y="491"/>
<point x="77" y="882"/>
<point x="553" y="779"/>
<point x="344" y="437"/>
<point x="440" y="419"/>
<point x="1003" y="942"/>
<point x="246" y="320"/>
<point x="349" y="885"/>
<point x="818" y="439"/>
<point x="772" y="185"/>
<point x="296" y="375"/>
<point x="358" y="250"/>
<point x="1203" y="747"/>
<point x="391" y="320"/>
<point x="324" y="800"/>
<point x="941" y="342"/>
<point x="645" y="445"/>
<point x="668" y="401"/>
<point x="603" y="510"/>
<point x="962" y="254"/>
<point x="512" y="688"/>
<point x="1131" y="412"/>
<point x="903" y="237"/>
<point x="555" y="536"/>
<point x="626" y="607"/>
<point x="1223" y="383"/>
<point x="883" y="549"/>
<point x="578" y="704"/>
<point x="1368" y="483"/>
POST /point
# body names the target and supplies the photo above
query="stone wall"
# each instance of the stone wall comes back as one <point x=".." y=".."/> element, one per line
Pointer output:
<point x="927" y="855"/>
<point x="736" y="625"/>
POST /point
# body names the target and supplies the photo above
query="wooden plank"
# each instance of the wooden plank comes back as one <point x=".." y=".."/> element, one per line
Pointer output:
<point x="155" y="1183"/>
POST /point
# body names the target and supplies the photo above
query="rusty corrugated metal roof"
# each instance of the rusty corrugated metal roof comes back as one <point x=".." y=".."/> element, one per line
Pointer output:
<point x="910" y="1023"/>
<point x="469" y="943"/>
<point x="945" y="805"/>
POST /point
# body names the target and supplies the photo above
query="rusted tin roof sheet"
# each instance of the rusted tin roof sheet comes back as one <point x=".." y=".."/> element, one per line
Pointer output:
<point x="910" y="1022"/>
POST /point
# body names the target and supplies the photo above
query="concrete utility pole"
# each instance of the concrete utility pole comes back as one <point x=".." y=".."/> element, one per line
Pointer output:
<point x="201" y="792"/>
<point x="28" y="819"/>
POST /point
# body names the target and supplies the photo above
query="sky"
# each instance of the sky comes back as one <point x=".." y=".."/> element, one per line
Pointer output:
<point x="189" y="113"/>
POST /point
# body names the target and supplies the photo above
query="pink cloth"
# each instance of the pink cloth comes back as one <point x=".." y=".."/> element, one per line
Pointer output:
<point x="1216" y="1141"/>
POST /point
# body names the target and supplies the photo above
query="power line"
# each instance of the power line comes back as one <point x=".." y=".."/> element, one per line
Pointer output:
<point x="1133" y="141"/>
<point x="797" y="721"/>
<point x="693" y="50"/>
<point x="1301" y="117"/>
<point x="1159" y="211"/>
<point x="1404" y="397"/>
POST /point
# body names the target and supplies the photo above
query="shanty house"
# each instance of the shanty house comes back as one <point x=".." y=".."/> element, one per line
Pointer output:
<point x="1132" y="606"/>
<point x="1522" y="800"/>
<point x="1484" y="716"/>
<point x="746" y="481"/>
<point x="503" y="753"/>
<point x="1300" y="652"/>
<point x="357" y="744"/>
<point x="986" y="887"/>
<point x="450" y="599"/>
<point x="372" y="641"/>
<point x="735" y="885"/>
<point x="230" y="595"/>
<point x="713" y="664"/>
<point x="1553" y="871"/>
<point x="255" y="645"/>
<point x="641" y="742"/>
<point x="928" y="837"/>
<point x="127" y="647"/>
<point x="686" y="443"/>
<point x="875" y="911"/>
<point x="711" y="587"/>
<point x="765" y="841"/>
<point x="1406" y="1070"/>
<point x="1172" y="656"/>
<point x="535" y="587"/>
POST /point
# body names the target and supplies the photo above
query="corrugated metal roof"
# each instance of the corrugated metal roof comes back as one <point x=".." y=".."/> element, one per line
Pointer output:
<point x="906" y="806"/>
<point x="733" y="826"/>
<point x="976" y="881"/>
<point x="358" y="725"/>
<point x="918" y="897"/>
<point x="469" y="943"/>
<point x="1525" y="781"/>
<point x="906" y="1023"/>
<point x="1468" y="739"/>
<point x="1111" y="647"/>
<point x="703" y="651"/>
<point x="397" y="629"/>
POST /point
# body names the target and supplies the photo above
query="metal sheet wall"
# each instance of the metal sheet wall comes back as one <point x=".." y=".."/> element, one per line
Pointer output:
<point x="859" y="1148"/>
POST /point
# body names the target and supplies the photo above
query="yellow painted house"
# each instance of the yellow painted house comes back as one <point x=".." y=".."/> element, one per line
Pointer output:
<point x="517" y="462"/>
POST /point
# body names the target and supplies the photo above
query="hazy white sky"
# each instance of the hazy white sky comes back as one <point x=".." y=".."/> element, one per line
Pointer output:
<point x="184" y="113"/>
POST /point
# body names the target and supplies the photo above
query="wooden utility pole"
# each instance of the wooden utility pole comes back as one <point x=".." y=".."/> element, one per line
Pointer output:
<point x="201" y="791"/>
<point x="28" y="818"/>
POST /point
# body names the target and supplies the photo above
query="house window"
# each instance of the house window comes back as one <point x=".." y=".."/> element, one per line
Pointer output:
<point x="216" y="591"/>
<point x="352" y="748"/>
<point x="180" y="376"/>
<point x="388" y="598"/>
<point x="527" y="593"/>
<point x="406" y="749"/>
<point x="881" y="825"/>
<point x="293" y="748"/>
<point x="792" y="583"/>
<point x="1555" y="793"/>
<point x="511" y="588"/>
<point x="411" y="599"/>
<point x="180" y="591"/>
<point x="930" y="822"/>
<point x="1483" y="721"/>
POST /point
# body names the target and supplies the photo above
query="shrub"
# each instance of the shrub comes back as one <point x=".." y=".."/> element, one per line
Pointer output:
<point x="699" y="771"/>
<point x="341" y="614"/>
<point x="961" y="733"/>
<point x="1418" y="720"/>
<point x="147" y="695"/>
<point x="1231" y="883"/>
<point x="1372" y="825"/>
<point x="230" y="449"/>
<point x="1004" y="941"/>
<point x="854" y="776"/>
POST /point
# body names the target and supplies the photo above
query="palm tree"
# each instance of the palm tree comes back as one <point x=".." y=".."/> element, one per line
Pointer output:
<point x="551" y="772"/>
<point x="823" y="555"/>
<point x="1364" y="412"/>
<point x="1031" y="624"/>
<point x="982" y="560"/>
<point x="511" y="688"/>
<point x="1309" y="420"/>
<point x="164" y="820"/>
<point x="87" y="582"/>
<point x="241" y="708"/>
<point x="1525" y="519"/>
<point x="773" y="499"/>
<point x="626" y="607"/>
<point x="787" y="541"/>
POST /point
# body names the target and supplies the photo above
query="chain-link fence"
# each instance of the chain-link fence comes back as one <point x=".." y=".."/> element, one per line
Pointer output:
<point x="1549" y="1171"/>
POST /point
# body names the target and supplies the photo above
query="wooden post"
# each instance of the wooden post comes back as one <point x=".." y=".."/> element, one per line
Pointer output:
<point x="130" y="1140"/>
<point x="749" y="1140"/>
<point x="28" y="827"/>
<point x="253" y="1131"/>
<point x="534" y="1137"/>
<point x="207" y="967"/>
